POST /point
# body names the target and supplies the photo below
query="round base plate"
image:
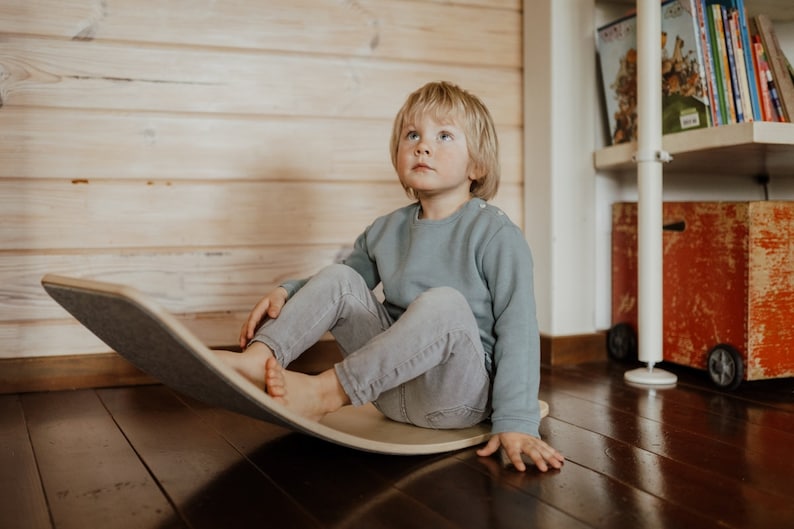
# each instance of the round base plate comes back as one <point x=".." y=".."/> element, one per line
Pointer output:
<point x="650" y="377"/>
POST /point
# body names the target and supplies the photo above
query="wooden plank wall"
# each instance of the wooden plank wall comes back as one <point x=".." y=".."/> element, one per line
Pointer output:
<point x="203" y="151"/>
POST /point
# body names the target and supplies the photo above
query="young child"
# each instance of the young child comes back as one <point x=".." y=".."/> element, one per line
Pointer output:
<point x="456" y="340"/>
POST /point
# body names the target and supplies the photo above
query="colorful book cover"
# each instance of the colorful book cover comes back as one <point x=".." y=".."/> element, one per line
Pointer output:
<point x="741" y="67"/>
<point x="743" y="35"/>
<point x="721" y="55"/>
<point x="777" y="66"/>
<point x="736" y="88"/>
<point x="768" y="111"/>
<point x="747" y="48"/>
<point x="708" y="61"/>
<point x="685" y="102"/>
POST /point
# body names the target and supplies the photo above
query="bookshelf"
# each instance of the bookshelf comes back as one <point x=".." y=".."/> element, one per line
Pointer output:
<point x="750" y="148"/>
<point x="742" y="148"/>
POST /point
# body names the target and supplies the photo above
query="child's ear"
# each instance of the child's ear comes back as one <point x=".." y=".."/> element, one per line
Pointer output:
<point x="476" y="173"/>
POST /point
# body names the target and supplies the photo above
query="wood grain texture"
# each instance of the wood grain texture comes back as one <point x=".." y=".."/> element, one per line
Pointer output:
<point x="184" y="281"/>
<point x="187" y="457"/>
<point x="365" y="28"/>
<point x="90" y="473"/>
<point x="166" y="145"/>
<point x="771" y="290"/>
<point x="729" y="279"/>
<point x="45" y="215"/>
<point x="22" y="499"/>
<point x="688" y="456"/>
<point x="115" y="145"/>
<point x="41" y="338"/>
<point x="52" y="73"/>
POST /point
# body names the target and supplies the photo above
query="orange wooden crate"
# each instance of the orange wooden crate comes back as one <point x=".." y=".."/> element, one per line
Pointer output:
<point x="728" y="280"/>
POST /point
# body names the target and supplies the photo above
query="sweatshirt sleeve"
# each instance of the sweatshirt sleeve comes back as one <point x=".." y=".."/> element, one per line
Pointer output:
<point x="362" y="262"/>
<point x="358" y="259"/>
<point x="508" y="268"/>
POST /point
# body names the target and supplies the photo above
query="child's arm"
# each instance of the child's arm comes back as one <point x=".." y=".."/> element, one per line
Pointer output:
<point x="507" y="265"/>
<point x="269" y="306"/>
<point x="272" y="303"/>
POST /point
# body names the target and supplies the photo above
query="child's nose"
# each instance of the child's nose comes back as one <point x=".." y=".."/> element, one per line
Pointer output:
<point x="422" y="148"/>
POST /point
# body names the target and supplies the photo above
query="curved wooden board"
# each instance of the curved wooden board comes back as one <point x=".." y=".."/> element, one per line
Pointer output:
<point x="158" y="344"/>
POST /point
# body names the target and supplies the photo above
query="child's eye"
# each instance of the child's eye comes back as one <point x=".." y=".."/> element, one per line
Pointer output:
<point x="445" y="136"/>
<point x="412" y="135"/>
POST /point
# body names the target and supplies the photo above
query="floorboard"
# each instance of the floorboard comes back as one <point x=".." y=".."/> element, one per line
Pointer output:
<point x="334" y="483"/>
<point x="90" y="474"/>
<point x="22" y="501"/>
<point x="148" y="457"/>
<point x="204" y="476"/>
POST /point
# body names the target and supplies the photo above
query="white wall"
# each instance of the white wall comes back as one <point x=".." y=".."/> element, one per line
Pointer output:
<point x="559" y="125"/>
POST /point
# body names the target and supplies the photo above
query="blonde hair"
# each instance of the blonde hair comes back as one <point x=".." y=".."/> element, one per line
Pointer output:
<point x="443" y="100"/>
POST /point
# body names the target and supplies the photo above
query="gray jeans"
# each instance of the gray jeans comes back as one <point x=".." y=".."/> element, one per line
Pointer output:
<point x="427" y="368"/>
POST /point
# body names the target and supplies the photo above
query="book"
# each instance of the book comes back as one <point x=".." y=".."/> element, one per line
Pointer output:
<point x="743" y="57"/>
<point x="747" y="49"/>
<point x="721" y="58"/>
<point x="777" y="66"/>
<point x="708" y="62"/>
<point x="685" y="100"/>
<point x="743" y="83"/>
<point x="768" y="111"/>
<point x="736" y="91"/>
<point x="719" y="67"/>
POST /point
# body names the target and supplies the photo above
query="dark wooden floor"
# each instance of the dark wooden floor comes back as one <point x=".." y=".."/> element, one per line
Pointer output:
<point x="145" y="457"/>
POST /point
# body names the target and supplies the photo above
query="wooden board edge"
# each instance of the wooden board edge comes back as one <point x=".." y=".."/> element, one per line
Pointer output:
<point x="574" y="349"/>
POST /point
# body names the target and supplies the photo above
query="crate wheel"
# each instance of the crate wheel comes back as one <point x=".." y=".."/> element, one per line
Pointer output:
<point x="726" y="368"/>
<point x="622" y="342"/>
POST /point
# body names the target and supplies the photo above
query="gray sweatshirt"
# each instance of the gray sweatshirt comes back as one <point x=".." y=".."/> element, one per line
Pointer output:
<point x="481" y="253"/>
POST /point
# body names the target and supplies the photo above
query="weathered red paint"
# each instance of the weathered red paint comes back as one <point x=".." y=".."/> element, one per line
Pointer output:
<point x="728" y="278"/>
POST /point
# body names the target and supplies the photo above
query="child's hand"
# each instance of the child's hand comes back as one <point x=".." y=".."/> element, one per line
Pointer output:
<point x="517" y="444"/>
<point x="269" y="306"/>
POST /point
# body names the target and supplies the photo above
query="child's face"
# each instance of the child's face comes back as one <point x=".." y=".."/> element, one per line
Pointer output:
<point x="433" y="158"/>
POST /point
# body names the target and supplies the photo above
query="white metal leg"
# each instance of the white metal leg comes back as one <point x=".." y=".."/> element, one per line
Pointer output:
<point x="649" y="175"/>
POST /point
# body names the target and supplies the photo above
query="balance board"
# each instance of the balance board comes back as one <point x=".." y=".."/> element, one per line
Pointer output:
<point x="158" y="344"/>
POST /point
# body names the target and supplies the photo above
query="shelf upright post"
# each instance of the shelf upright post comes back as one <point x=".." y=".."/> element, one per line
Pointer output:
<point x="649" y="158"/>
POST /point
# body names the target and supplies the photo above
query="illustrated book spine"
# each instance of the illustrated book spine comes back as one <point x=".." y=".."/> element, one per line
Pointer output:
<point x="733" y="78"/>
<point x="747" y="48"/>
<point x="768" y="112"/>
<point x="708" y="62"/>
<point x="741" y="66"/>
<point x="777" y="65"/>
<point x="720" y="63"/>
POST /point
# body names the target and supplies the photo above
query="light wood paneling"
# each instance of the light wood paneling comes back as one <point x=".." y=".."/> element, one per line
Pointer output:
<point x="183" y="282"/>
<point x="67" y="336"/>
<point x="43" y="143"/>
<point x="76" y="74"/>
<point x="204" y="153"/>
<point x="408" y="30"/>
<point x="41" y="215"/>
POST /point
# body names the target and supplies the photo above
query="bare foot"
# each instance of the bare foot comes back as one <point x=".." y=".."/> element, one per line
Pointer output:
<point x="310" y="396"/>
<point x="250" y="363"/>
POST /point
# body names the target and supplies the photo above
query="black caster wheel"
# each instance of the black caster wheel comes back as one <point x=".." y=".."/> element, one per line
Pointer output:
<point x="622" y="342"/>
<point x="726" y="368"/>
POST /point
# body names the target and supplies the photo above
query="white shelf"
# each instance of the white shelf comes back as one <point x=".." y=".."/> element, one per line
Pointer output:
<point x="742" y="148"/>
<point x="739" y="149"/>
